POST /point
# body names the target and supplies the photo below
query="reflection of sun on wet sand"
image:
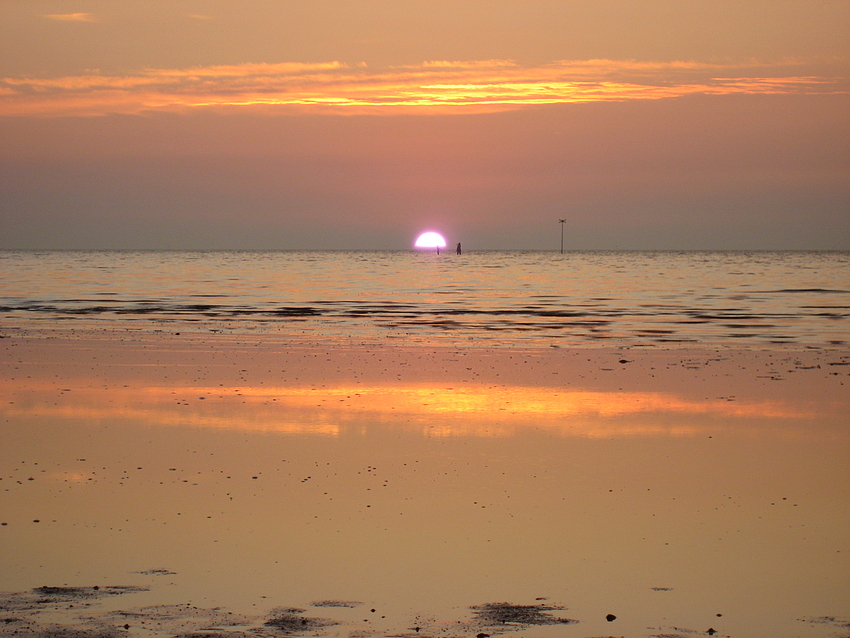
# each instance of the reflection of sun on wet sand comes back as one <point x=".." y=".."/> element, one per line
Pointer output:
<point x="471" y="410"/>
<point x="324" y="390"/>
<point x="239" y="486"/>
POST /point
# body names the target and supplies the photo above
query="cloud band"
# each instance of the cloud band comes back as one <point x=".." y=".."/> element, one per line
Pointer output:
<point x="435" y="86"/>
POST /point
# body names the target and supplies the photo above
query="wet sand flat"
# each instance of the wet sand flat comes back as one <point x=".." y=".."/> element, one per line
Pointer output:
<point x="260" y="485"/>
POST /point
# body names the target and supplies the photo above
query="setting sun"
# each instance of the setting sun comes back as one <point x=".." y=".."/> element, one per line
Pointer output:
<point x="430" y="239"/>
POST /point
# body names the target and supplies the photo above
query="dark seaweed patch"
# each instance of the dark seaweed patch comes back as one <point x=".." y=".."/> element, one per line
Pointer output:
<point x="496" y="614"/>
<point x="53" y="594"/>
<point x="290" y="621"/>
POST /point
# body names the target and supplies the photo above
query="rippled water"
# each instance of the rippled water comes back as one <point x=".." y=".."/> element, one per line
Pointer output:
<point x="487" y="297"/>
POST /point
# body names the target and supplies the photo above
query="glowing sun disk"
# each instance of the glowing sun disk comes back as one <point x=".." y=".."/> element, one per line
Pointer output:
<point x="430" y="239"/>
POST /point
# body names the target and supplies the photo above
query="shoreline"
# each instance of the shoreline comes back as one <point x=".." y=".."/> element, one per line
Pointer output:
<point x="830" y="364"/>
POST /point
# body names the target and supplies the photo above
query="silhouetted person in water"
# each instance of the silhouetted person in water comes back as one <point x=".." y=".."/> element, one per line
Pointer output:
<point x="458" y="248"/>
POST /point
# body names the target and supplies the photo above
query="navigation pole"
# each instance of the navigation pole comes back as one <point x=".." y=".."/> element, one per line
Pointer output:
<point x="562" y="222"/>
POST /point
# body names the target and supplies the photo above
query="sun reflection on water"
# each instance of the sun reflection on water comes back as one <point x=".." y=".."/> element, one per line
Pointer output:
<point x="476" y="410"/>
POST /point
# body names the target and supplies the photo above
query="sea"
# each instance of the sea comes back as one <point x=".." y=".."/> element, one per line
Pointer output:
<point x="486" y="298"/>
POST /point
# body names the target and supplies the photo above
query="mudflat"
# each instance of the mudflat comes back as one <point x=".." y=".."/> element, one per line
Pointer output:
<point x="162" y="483"/>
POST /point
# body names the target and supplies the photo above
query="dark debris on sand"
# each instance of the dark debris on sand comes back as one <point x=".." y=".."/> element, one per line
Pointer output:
<point x="350" y="604"/>
<point x="66" y="632"/>
<point x="838" y="623"/>
<point x="60" y="594"/>
<point x="290" y="621"/>
<point x="495" y="615"/>
<point x="44" y="597"/>
<point x="71" y="612"/>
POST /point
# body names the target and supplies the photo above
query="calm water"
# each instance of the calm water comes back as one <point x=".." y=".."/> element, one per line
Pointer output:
<point x="537" y="298"/>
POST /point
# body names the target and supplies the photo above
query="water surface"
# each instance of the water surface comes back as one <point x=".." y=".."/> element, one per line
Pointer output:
<point x="540" y="298"/>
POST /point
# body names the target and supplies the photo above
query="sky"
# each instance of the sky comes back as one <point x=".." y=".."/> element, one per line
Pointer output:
<point x="357" y="124"/>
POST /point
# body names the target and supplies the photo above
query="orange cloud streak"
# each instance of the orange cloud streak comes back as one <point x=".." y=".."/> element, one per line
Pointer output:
<point x="434" y="86"/>
<point x="71" y="17"/>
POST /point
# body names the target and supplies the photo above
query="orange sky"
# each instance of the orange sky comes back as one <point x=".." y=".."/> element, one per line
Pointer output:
<point x="339" y="124"/>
